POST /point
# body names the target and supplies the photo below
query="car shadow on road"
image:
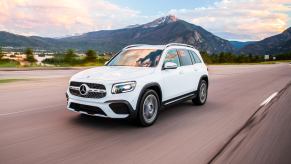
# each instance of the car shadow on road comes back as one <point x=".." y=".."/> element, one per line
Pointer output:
<point x="181" y="109"/>
<point x="101" y="123"/>
<point x="166" y="116"/>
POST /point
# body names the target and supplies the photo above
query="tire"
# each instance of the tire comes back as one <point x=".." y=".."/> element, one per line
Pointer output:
<point x="202" y="93"/>
<point x="149" y="107"/>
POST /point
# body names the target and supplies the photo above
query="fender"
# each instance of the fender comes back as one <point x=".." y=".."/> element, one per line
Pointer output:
<point x="144" y="88"/>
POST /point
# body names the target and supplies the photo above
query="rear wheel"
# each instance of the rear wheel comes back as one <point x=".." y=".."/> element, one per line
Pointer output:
<point x="148" y="108"/>
<point x="202" y="93"/>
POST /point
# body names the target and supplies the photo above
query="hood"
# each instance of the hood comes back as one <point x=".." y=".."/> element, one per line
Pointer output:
<point x="113" y="73"/>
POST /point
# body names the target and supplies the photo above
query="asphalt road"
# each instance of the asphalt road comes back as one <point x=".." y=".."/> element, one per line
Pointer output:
<point x="35" y="126"/>
<point x="265" y="138"/>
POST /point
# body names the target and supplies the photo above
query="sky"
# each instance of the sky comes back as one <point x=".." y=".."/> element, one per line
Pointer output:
<point x="244" y="20"/>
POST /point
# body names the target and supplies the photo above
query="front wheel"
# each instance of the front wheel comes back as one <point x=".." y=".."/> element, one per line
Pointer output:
<point x="202" y="93"/>
<point x="148" y="108"/>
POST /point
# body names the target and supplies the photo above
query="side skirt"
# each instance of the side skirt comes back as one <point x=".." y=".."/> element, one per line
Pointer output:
<point x="180" y="99"/>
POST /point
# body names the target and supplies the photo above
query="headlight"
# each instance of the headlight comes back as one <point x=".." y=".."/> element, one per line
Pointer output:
<point x="123" y="87"/>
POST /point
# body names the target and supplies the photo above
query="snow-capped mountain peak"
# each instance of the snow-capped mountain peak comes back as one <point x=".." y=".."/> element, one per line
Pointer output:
<point x="157" y="22"/>
<point x="160" y="21"/>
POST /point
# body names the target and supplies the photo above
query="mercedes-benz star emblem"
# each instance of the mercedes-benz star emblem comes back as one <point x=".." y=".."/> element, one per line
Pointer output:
<point x="84" y="89"/>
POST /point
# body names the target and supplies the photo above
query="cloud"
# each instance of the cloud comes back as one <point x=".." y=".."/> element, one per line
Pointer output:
<point x="62" y="17"/>
<point x="238" y="20"/>
<point x="241" y="19"/>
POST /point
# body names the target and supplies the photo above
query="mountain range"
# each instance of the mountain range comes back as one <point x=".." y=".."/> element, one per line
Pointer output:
<point x="160" y="31"/>
<point x="239" y="44"/>
<point x="276" y="44"/>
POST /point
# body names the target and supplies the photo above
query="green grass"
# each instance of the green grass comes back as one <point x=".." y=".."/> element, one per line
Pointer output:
<point x="9" y="63"/>
<point x="2" y="81"/>
<point x="74" y="62"/>
<point x="78" y="65"/>
<point x="242" y="63"/>
<point x="265" y="62"/>
<point x="274" y="62"/>
<point x="15" y="64"/>
<point x="283" y="61"/>
<point x="90" y="64"/>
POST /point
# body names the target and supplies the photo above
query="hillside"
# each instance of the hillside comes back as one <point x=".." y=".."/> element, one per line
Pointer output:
<point x="276" y="44"/>
<point x="160" y="31"/>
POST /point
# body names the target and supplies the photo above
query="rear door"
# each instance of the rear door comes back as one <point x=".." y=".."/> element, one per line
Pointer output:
<point x="188" y="71"/>
<point x="198" y="66"/>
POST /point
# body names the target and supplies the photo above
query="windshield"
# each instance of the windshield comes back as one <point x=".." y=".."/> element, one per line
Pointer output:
<point x="137" y="58"/>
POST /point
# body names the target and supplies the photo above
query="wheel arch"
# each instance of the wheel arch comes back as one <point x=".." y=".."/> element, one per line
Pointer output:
<point x="204" y="77"/>
<point x="154" y="86"/>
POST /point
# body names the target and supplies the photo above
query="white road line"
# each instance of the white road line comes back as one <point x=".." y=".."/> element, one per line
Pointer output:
<point x="36" y="109"/>
<point x="269" y="99"/>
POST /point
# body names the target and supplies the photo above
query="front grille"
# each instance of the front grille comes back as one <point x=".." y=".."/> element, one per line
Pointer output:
<point x="90" y="85"/>
<point x="90" y="94"/>
<point x="86" y="108"/>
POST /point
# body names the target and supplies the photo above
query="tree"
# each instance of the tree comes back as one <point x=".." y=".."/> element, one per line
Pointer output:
<point x="229" y="57"/>
<point x="69" y="55"/>
<point x="221" y="57"/>
<point x="90" y="56"/>
<point x="1" y="53"/>
<point x="29" y="55"/>
<point x="206" y="57"/>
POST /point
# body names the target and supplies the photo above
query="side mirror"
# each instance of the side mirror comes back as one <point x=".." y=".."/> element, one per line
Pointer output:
<point x="170" y="65"/>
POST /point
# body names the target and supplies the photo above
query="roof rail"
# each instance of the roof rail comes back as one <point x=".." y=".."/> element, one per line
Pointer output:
<point x="179" y="44"/>
<point x="133" y="45"/>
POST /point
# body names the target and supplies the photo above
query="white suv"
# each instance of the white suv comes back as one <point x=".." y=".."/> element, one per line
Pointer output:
<point x="138" y="81"/>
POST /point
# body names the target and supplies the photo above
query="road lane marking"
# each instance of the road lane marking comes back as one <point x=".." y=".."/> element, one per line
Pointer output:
<point x="23" y="111"/>
<point x="269" y="99"/>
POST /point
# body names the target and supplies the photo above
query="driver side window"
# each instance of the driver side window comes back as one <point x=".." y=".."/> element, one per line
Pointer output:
<point x="172" y="56"/>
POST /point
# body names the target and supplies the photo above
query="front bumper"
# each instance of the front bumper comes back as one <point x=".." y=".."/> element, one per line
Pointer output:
<point x="110" y="108"/>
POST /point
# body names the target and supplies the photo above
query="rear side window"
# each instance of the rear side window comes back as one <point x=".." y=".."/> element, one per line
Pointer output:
<point x="195" y="57"/>
<point x="185" y="58"/>
<point x="172" y="56"/>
